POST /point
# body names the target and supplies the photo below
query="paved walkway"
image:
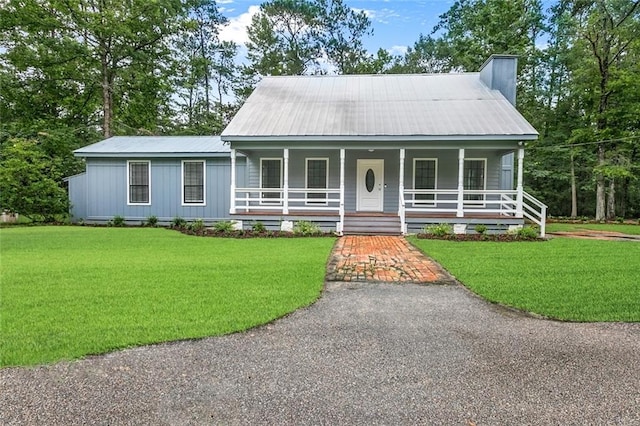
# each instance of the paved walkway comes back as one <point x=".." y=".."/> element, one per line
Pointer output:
<point x="382" y="259"/>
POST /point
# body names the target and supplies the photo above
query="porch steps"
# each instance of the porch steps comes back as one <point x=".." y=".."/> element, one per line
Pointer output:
<point x="371" y="225"/>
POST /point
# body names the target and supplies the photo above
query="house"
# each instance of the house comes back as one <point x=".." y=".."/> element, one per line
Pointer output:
<point x="136" y="177"/>
<point x="352" y="153"/>
<point x="371" y="153"/>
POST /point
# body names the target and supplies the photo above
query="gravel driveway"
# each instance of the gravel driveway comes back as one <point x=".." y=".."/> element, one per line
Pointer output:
<point x="363" y="354"/>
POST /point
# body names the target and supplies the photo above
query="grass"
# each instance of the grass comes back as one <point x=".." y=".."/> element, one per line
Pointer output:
<point x="564" y="278"/>
<point x="615" y="227"/>
<point x="67" y="292"/>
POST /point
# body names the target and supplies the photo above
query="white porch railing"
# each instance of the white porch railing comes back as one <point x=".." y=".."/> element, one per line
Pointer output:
<point x="498" y="202"/>
<point x="273" y="199"/>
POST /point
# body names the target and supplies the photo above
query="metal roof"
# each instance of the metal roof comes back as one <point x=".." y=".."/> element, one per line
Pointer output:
<point x="157" y="146"/>
<point x="377" y="107"/>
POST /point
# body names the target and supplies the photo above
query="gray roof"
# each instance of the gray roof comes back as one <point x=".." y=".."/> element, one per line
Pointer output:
<point x="156" y="146"/>
<point x="377" y="107"/>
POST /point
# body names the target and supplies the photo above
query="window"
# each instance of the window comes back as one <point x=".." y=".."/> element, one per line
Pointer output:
<point x="193" y="179"/>
<point x="271" y="177"/>
<point x="317" y="178"/>
<point x="425" y="176"/>
<point x="138" y="180"/>
<point x="474" y="177"/>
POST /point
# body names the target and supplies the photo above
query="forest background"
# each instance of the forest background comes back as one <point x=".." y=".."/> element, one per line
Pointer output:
<point x="73" y="72"/>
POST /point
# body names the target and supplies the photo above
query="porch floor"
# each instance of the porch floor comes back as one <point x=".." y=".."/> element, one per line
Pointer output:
<point x="382" y="259"/>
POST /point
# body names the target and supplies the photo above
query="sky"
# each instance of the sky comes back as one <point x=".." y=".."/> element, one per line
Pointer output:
<point x="396" y="24"/>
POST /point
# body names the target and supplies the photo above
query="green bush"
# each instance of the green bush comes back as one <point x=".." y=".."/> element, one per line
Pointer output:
<point x="152" y="221"/>
<point x="306" y="228"/>
<point x="527" y="233"/>
<point x="117" y="221"/>
<point x="224" y="226"/>
<point x="439" y="230"/>
<point x="480" y="229"/>
<point x="197" y="225"/>
<point x="258" y="227"/>
<point x="178" y="222"/>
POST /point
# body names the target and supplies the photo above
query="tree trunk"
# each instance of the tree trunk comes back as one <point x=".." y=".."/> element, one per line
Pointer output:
<point x="574" y="192"/>
<point x="611" y="200"/>
<point x="107" y="99"/>
<point x="600" y="191"/>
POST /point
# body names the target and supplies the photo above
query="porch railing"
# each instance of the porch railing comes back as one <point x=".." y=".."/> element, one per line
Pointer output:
<point x="275" y="199"/>
<point x="499" y="202"/>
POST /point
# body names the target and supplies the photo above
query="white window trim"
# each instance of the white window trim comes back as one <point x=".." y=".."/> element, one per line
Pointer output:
<point x="265" y="201"/>
<point x="484" y="183"/>
<point x="306" y="180"/>
<point x="204" y="184"/>
<point x="433" y="202"/>
<point x="129" y="203"/>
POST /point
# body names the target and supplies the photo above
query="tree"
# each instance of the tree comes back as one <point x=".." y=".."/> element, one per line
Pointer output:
<point x="295" y="37"/>
<point x="603" y="50"/>
<point x="29" y="182"/>
<point x="206" y="70"/>
<point x="341" y="38"/>
<point x="105" y="51"/>
<point x="283" y="38"/>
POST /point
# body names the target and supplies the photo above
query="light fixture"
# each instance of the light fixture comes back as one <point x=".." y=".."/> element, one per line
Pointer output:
<point x="371" y="150"/>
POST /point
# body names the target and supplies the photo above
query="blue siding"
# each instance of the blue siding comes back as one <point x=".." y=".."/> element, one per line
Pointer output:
<point x="106" y="190"/>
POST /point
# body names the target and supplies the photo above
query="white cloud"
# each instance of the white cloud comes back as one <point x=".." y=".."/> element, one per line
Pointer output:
<point x="397" y="50"/>
<point x="236" y="30"/>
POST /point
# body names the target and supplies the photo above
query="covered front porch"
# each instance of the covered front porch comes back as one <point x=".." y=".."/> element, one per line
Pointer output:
<point x="382" y="190"/>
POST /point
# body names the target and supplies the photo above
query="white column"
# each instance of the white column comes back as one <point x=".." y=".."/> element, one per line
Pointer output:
<point x="341" y="209"/>
<point x="285" y="185"/>
<point x="460" y="209"/>
<point x="519" y="184"/>
<point x="232" y="206"/>
<point x="401" y="205"/>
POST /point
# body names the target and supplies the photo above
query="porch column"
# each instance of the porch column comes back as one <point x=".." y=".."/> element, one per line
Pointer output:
<point x="401" y="205"/>
<point x="341" y="209"/>
<point x="285" y="184"/>
<point x="460" y="209"/>
<point x="232" y="205"/>
<point x="519" y="184"/>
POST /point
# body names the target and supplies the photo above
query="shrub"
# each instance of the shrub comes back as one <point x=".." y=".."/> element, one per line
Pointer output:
<point x="620" y="219"/>
<point x="258" y="227"/>
<point x="480" y="229"/>
<point x="117" y="220"/>
<point x="224" y="226"/>
<point x="306" y="228"/>
<point x="178" y="222"/>
<point x="527" y="233"/>
<point x="439" y="230"/>
<point x="152" y="221"/>
<point x="197" y="225"/>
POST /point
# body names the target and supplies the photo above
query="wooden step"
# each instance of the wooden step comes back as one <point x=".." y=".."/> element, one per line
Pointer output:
<point x="371" y="225"/>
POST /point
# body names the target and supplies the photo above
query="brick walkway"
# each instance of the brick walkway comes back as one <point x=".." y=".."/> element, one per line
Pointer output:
<point x="382" y="259"/>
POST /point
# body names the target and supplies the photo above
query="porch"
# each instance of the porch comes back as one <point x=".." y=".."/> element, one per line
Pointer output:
<point x="283" y="203"/>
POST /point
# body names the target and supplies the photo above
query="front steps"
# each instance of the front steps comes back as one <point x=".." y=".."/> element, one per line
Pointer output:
<point x="371" y="225"/>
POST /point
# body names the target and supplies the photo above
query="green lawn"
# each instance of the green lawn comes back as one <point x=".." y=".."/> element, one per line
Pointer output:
<point x="564" y="278"/>
<point x="615" y="227"/>
<point x="71" y="291"/>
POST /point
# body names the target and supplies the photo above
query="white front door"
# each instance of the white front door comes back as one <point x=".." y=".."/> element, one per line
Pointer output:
<point x="370" y="189"/>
